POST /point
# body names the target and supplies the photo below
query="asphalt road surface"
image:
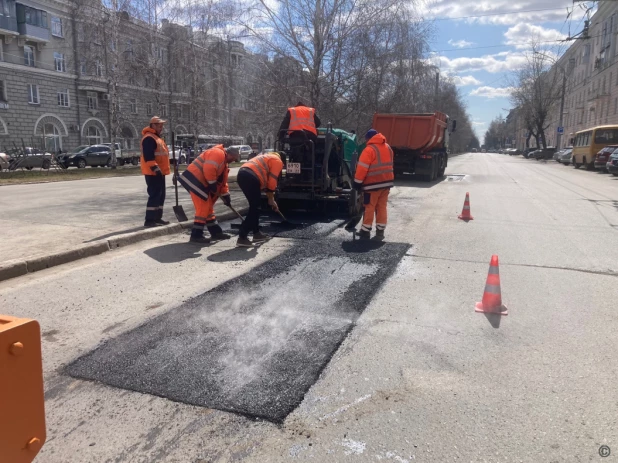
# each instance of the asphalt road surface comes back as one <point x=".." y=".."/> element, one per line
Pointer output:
<point x="391" y="362"/>
<point x="42" y="218"/>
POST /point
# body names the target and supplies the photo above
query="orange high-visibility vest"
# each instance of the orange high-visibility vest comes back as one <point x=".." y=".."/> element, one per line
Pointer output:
<point x="207" y="169"/>
<point x="266" y="168"/>
<point x="162" y="154"/>
<point x="374" y="168"/>
<point x="302" y="118"/>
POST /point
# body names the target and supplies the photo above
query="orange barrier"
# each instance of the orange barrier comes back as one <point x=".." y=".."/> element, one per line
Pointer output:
<point x="465" y="212"/>
<point x="492" y="296"/>
<point x="22" y="406"/>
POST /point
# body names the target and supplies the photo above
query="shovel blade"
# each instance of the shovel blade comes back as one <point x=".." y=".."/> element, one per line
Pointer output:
<point x="180" y="213"/>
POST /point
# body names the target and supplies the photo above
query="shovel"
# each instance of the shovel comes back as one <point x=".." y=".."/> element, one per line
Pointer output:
<point x="178" y="210"/>
<point x="286" y="223"/>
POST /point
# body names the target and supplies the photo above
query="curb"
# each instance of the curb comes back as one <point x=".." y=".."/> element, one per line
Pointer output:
<point x="16" y="268"/>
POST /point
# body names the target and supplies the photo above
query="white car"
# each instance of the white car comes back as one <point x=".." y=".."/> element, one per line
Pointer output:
<point x="245" y="151"/>
<point x="4" y="161"/>
<point x="180" y="154"/>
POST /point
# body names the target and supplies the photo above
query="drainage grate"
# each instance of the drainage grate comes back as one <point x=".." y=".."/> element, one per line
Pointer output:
<point x="455" y="177"/>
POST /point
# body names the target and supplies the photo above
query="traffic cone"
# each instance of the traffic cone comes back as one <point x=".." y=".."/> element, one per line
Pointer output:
<point x="465" y="212"/>
<point x="492" y="297"/>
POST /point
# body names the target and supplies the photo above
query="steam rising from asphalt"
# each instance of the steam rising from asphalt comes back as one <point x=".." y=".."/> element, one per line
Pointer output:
<point x="260" y="323"/>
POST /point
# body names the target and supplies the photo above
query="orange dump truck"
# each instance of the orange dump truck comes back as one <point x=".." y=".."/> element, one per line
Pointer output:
<point x="419" y="141"/>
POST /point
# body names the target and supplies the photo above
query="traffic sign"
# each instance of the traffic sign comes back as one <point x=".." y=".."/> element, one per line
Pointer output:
<point x="560" y="129"/>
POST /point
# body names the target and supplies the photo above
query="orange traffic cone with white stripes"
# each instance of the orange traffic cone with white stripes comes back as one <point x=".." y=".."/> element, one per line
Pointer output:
<point x="492" y="297"/>
<point x="465" y="212"/>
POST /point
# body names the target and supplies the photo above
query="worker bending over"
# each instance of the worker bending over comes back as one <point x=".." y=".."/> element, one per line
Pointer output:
<point x="260" y="173"/>
<point x="206" y="180"/>
<point x="374" y="177"/>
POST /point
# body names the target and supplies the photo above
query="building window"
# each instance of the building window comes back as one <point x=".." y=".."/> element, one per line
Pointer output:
<point x="52" y="138"/>
<point x="7" y="8"/>
<point x="83" y="69"/>
<point x="59" y="62"/>
<point x="3" y="96"/>
<point x="33" y="94"/>
<point x="63" y="97"/>
<point x="148" y="109"/>
<point x="93" y="101"/>
<point x="56" y="26"/>
<point x="28" y="55"/>
<point x="93" y="136"/>
<point x="98" y="69"/>
<point x="133" y="106"/>
<point x="32" y="16"/>
<point x="163" y="110"/>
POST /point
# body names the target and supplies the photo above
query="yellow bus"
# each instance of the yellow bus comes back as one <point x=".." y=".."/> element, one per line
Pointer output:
<point x="589" y="142"/>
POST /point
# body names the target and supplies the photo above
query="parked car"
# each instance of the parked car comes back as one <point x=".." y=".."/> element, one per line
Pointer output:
<point x="544" y="153"/>
<point x="602" y="157"/>
<point x="245" y="151"/>
<point x="94" y="156"/>
<point x="612" y="163"/>
<point x="180" y="154"/>
<point x="4" y="161"/>
<point x="30" y="158"/>
<point x="566" y="156"/>
<point x="528" y="151"/>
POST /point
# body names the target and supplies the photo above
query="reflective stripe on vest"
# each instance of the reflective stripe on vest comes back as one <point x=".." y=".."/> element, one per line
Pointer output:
<point x="302" y="122"/>
<point x="380" y="167"/>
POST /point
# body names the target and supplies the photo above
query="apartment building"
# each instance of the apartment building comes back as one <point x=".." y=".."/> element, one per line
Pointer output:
<point x="591" y="69"/>
<point x="73" y="75"/>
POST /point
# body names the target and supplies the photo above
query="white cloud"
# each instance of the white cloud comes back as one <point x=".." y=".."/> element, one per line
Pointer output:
<point x="500" y="62"/>
<point x="463" y="81"/>
<point x="492" y="92"/>
<point x="463" y="8"/>
<point x="479" y="123"/>
<point x="521" y="34"/>
<point x="460" y="43"/>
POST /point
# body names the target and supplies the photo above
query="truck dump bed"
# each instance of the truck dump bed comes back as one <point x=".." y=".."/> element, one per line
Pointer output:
<point x="412" y="131"/>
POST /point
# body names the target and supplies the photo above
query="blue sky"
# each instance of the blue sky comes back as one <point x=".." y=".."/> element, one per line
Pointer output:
<point x="483" y="73"/>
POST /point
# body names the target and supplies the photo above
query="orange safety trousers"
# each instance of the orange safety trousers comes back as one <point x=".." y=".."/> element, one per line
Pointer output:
<point x="375" y="205"/>
<point x="204" y="212"/>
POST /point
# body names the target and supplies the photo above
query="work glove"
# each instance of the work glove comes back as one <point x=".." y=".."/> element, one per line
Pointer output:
<point x="272" y="203"/>
<point x="212" y="188"/>
<point x="358" y="186"/>
<point x="157" y="171"/>
<point x="227" y="200"/>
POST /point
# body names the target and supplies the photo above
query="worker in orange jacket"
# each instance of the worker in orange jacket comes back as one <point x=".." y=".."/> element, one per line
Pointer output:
<point x="299" y="119"/>
<point x="155" y="164"/>
<point x="206" y="180"/>
<point x="259" y="173"/>
<point x="374" y="177"/>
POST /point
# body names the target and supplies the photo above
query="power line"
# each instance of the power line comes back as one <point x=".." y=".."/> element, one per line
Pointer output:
<point x="494" y="14"/>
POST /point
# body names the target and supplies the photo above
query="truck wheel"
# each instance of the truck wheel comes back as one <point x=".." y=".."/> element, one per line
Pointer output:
<point x="442" y="168"/>
<point x="354" y="206"/>
<point x="134" y="161"/>
<point x="120" y="161"/>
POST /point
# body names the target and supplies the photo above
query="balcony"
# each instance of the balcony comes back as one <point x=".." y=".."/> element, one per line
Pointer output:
<point x="8" y="25"/>
<point x="33" y="33"/>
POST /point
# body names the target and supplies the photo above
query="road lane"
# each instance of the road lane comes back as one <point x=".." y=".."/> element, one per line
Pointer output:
<point x="421" y="377"/>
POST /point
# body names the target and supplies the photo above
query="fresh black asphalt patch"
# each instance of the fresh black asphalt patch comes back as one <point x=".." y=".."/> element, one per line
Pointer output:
<point x="305" y="226"/>
<point x="255" y="344"/>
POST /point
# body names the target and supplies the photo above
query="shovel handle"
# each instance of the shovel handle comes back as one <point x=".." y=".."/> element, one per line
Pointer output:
<point x="236" y="212"/>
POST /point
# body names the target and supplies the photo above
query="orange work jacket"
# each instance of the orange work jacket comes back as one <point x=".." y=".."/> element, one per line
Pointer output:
<point x="162" y="155"/>
<point x="374" y="169"/>
<point x="266" y="168"/>
<point x="302" y="118"/>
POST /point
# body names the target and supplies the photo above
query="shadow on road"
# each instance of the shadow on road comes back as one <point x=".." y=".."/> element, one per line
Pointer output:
<point x="234" y="255"/>
<point x="174" y="252"/>
<point x="407" y="180"/>
<point x="494" y="319"/>
<point x="357" y="246"/>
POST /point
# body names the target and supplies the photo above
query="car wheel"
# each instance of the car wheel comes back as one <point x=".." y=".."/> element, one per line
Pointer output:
<point x="46" y="164"/>
<point x="615" y="174"/>
<point x="81" y="163"/>
<point x="28" y="168"/>
<point x="134" y="161"/>
<point x="576" y="165"/>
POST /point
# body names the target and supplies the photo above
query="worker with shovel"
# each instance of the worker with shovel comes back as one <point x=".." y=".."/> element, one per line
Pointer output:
<point x="260" y="173"/>
<point x="155" y="162"/>
<point x="206" y="180"/>
<point x="374" y="177"/>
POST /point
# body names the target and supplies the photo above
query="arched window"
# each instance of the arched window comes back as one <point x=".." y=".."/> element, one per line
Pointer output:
<point x="93" y="136"/>
<point x="51" y="136"/>
<point x="127" y="137"/>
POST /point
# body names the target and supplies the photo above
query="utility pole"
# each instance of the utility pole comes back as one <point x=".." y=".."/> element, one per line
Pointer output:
<point x="564" y="83"/>
<point x="435" y="96"/>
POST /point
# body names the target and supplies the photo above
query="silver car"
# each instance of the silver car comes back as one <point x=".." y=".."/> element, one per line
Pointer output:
<point x="565" y="156"/>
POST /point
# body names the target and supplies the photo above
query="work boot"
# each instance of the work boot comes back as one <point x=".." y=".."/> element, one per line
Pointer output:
<point x="243" y="242"/>
<point x="379" y="235"/>
<point x="259" y="237"/>
<point x="364" y="235"/>
<point x="162" y="222"/>
<point x="151" y="223"/>
<point x="199" y="239"/>
<point x="220" y="236"/>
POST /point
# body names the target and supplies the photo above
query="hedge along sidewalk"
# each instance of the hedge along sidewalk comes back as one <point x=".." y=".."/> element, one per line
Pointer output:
<point x="18" y="267"/>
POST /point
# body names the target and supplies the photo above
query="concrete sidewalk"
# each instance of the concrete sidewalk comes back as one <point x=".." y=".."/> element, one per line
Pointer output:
<point x="50" y="218"/>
